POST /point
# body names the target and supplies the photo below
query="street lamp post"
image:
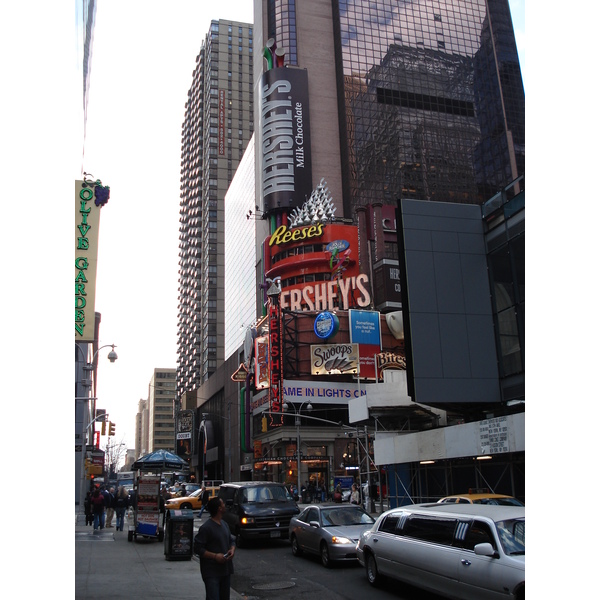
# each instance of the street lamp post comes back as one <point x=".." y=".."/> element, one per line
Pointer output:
<point x="309" y="407"/>
<point x="81" y="416"/>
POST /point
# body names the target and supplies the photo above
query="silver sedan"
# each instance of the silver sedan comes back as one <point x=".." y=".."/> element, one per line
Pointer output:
<point x="329" y="530"/>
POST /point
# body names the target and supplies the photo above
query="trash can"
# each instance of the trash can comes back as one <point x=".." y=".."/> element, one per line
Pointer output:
<point x="179" y="534"/>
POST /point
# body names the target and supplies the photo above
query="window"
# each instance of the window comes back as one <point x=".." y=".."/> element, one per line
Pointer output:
<point x="430" y="529"/>
<point x="478" y="533"/>
<point x="388" y="525"/>
<point x="312" y="515"/>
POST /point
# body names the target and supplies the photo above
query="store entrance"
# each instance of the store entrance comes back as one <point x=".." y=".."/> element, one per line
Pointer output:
<point x="317" y="484"/>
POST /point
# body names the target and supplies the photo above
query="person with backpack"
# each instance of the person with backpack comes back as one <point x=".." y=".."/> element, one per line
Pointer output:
<point x="121" y="505"/>
<point x="98" y="509"/>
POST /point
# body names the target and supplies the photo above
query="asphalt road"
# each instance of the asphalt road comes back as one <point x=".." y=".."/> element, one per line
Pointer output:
<point x="268" y="570"/>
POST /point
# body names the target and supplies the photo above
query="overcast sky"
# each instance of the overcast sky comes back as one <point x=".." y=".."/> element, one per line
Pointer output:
<point x="143" y="57"/>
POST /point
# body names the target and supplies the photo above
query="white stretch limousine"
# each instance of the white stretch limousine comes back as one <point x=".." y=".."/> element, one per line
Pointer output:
<point x="461" y="551"/>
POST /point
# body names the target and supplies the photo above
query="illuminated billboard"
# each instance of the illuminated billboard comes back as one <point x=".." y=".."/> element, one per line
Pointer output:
<point x="318" y="267"/>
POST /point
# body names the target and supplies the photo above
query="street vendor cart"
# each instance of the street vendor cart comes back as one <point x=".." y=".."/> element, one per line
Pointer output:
<point x="144" y="518"/>
<point x="144" y="514"/>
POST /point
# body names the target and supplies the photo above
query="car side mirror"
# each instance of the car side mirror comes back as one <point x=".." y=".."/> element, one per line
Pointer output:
<point x="485" y="549"/>
<point x="314" y="524"/>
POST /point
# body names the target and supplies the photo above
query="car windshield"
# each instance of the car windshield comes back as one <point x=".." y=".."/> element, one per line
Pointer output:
<point x="266" y="494"/>
<point x="334" y="517"/>
<point x="512" y="535"/>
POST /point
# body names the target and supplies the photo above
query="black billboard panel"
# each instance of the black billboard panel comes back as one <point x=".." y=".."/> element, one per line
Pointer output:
<point x="285" y="128"/>
<point x="446" y="304"/>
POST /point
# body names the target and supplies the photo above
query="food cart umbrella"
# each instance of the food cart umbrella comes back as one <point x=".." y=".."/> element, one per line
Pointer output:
<point x="160" y="460"/>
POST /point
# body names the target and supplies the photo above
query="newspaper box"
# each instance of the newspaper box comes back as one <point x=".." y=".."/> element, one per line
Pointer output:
<point x="179" y="534"/>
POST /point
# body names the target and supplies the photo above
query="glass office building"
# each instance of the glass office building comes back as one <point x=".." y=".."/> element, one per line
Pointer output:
<point x="429" y="92"/>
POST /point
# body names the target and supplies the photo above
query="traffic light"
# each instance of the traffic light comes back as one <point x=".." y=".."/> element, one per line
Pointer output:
<point x="111" y="428"/>
<point x="264" y="424"/>
<point x="103" y="428"/>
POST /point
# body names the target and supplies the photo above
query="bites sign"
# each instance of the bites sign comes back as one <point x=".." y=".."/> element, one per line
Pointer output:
<point x="285" y="128"/>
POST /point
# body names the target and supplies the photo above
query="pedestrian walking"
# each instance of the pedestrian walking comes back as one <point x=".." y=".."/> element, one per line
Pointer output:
<point x="354" y="495"/>
<point x="87" y="506"/>
<point x="216" y="547"/>
<point x="204" y="497"/>
<point x="121" y="505"/>
<point x="98" y="509"/>
<point x="110" y="507"/>
<point x="104" y="494"/>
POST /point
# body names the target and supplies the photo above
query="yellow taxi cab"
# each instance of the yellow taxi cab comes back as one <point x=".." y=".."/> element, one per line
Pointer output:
<point x="194" y="500"/>
<point x="481" y="496"/>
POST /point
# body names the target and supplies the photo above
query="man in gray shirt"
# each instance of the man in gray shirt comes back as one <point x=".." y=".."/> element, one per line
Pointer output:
<point x="216" y="546"/>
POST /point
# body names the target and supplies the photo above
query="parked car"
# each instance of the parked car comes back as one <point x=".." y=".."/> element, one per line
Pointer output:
<point x="460" y="551"/>
<point x="258" y="509"/>
<point x="329" y="530"/>
<point x="481" y="498"/>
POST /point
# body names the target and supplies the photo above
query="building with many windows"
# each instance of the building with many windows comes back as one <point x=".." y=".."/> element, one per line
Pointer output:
<point x="217" y="128"/>
<point x="161" y="402"/>
<point x="412" y="114"/>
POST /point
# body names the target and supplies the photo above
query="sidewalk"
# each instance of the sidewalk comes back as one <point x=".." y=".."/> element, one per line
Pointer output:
<point x="108" y="566"/>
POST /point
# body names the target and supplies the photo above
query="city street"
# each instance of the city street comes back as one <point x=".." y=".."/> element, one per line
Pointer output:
<point x="268" y="570"/>
<point x="106" y="563"/>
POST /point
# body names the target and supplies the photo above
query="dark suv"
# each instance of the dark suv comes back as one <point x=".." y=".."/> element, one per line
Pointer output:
<point x="258" y="509"/>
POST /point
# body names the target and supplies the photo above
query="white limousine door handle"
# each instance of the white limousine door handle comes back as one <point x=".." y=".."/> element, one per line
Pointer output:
<point x="465" y="562"/>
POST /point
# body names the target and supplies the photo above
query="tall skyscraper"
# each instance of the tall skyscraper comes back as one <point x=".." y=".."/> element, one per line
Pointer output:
<point x="161" y="400"/>
<point x="419" y="99"/>
<point x="85" y="18"/>
<point x="217" y="128"/>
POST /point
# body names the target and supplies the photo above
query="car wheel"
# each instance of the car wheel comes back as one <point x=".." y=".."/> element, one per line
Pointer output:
<point x="186" y="505"/>
<point x="372" y="573"/>
<point x="239" y="540"/>
<point x="325" y="560"/>
<point x="296" y="550"/>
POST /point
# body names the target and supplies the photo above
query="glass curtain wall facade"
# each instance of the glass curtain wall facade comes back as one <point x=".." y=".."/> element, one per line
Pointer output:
<point x="85" y="19"/>
<point x="430" y="94"/>
<point x="240" y="254"/>
<point x="433" y="100"/>
<point x="217" y="128"/>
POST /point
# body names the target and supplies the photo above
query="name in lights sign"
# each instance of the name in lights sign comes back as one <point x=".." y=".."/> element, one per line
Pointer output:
<point x="90" y="197"/>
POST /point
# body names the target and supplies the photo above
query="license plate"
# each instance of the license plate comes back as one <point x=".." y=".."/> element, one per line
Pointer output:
<point x="275" y="534"/>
